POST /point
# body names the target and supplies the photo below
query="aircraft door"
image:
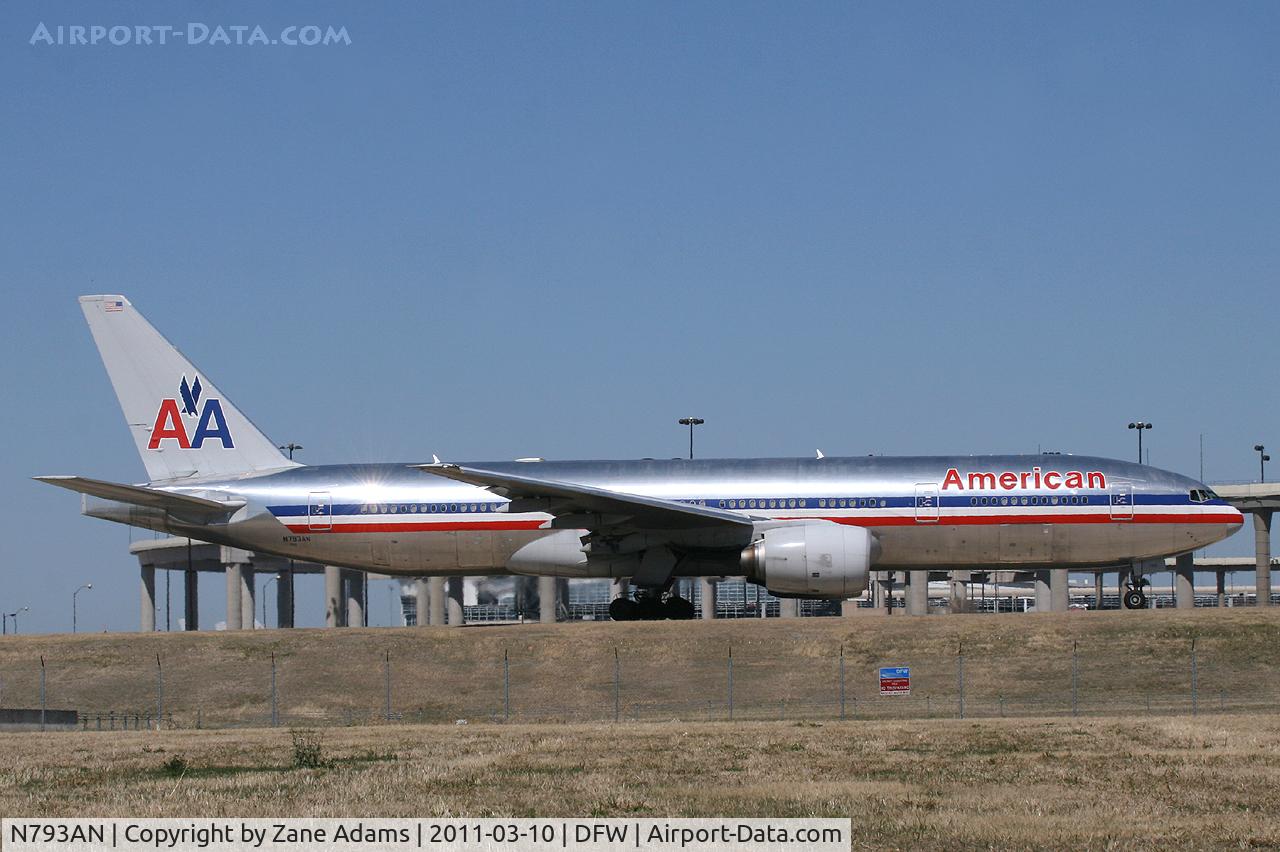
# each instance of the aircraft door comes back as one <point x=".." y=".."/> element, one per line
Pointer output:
<point x="927" y="503"/>
<point x="1122" y="502"/>
<point x="319" y="511"/>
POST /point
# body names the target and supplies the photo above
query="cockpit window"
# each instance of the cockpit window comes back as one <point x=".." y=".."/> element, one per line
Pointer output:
<point x="1203" y="495"/>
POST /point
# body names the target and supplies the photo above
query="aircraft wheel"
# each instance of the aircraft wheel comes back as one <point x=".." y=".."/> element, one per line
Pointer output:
<point x="649" y="608"/>
<point x="623" y="609"/>
<point x="1135" y="599"/>
<point x="678" y="608"/>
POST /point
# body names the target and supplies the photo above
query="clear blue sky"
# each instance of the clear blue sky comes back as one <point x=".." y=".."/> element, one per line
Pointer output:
<point x="499" y="230"/>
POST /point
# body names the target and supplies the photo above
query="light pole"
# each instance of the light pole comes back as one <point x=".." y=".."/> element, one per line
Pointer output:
<point x="264" y="600"/>
<point x="1263" y="458"/>
<point x="14" y="616"/>
<point x="1140" y="426"/>
<point x="289" y="448"/>
<point x="73" y="604"/>
<point x="691" y="422"/>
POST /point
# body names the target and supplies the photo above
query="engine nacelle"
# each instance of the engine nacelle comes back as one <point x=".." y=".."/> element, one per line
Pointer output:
<point x="812" y="560"/>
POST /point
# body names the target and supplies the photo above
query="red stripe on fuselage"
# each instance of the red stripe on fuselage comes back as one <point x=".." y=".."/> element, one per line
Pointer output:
<point x="979" y="520"/>
<point x="451" y="526"/>
<point x="860" y="521"/>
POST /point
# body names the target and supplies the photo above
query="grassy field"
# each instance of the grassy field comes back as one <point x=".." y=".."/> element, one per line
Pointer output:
<point x="1125" y="664"/>
<point x="925" y="784"/>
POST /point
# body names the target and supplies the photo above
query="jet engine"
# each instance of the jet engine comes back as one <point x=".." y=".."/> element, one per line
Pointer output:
<point x="812" y="560"/>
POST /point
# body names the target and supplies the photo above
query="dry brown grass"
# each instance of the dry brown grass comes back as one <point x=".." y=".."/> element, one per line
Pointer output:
<point x="783" y="667"/>
<point x="996" y="783"/>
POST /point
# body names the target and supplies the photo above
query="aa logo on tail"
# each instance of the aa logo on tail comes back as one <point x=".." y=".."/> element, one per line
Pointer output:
<point x="170" y="424"/>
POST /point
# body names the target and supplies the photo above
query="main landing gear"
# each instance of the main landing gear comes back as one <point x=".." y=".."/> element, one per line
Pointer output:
<point x="651" y="607"/>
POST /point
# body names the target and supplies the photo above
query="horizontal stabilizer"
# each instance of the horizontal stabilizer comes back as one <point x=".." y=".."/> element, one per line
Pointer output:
<point x="183" y="505"/>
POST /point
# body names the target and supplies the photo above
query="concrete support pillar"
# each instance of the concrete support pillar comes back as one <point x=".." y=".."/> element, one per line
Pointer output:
<point x="1222" y="588"/>
<point x="547" y="600"/>
<point x="248" y="599"/>
<point x="148" y="608"/>
<point x="1185" y="581"/>
<point x="235" y="588"/>
<point x="191" y="599"/>
<point x="708" y="589"/>
<point x="334" y="606"/>
<point x="354" y="581"/>
<point x="1042" y="590"/>
<point x="917" y="593"/>
<point x="849" y="607"/>
<point x="284" y="598"/>
<point x="421" y="601"/>
<point x="789" y="608"/>
<point x="435" y="589"/>
<point x="1262" y="554"/>
<point x="879" y="592"/>
<point x="456" y="614"/>
<point x="1097" y="590"/>
<point x="1122" y="577"/>
<point x="960" y="590"/>
<point x="1059" y="589"/>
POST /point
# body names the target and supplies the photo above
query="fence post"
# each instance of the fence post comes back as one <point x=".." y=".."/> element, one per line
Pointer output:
<point x="960" y="674"/>
<point x="275" y="699"/>
<point x="506" y="687"/>
<point x="1195" y="681"/>
<point x="159" y="693"/>
<point x="386" y="684"/>
<point x="1075" y="679"/>
<point x="841" y="681"/>
<point x="617" y="686"/>
<point x="730" y="683"/>
<point x="42" y="705"/>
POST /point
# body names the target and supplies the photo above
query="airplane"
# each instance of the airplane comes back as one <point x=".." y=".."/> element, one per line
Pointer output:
<point x="800" y="527"/>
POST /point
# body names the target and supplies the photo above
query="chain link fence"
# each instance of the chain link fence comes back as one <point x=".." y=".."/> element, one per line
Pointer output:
<point x="610" y="684"/>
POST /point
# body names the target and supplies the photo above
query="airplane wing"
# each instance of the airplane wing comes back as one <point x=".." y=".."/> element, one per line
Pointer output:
<point x="596" y="509"/>
<point x="184" y="505"/>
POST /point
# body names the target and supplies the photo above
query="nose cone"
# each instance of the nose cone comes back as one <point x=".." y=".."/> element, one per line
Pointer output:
<point x="1224" y="521"/>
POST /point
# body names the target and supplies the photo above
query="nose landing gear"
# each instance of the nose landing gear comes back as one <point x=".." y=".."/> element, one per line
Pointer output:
<point x="1134" y="597"/>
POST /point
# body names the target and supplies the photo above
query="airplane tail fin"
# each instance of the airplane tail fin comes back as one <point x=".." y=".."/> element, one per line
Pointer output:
<point x="181" y="423"/>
